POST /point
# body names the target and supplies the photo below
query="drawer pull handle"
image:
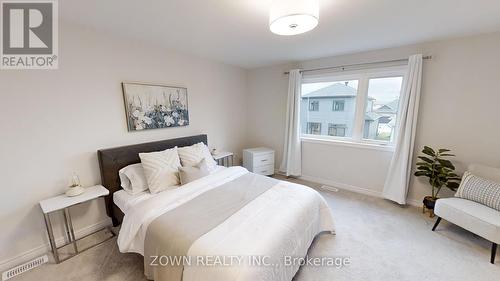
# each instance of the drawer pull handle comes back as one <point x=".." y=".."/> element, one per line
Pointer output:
<point x="263" y="160"/>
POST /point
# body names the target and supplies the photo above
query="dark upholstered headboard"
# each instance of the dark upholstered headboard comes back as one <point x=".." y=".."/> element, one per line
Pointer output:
<point x="113" y="159"/>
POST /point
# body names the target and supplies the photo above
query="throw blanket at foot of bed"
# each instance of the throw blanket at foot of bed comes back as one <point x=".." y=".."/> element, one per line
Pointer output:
<point x="173" y="233"/>
<point x="230" y="214"/>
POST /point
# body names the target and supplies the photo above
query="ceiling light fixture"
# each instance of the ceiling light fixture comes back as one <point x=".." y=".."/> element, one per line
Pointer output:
<point x="292" y="17"/>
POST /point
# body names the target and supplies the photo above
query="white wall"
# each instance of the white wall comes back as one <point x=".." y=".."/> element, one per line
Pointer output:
<point x="459" y="110"/>
<point x="267" y="88"/>
<point x="53" y="122"/>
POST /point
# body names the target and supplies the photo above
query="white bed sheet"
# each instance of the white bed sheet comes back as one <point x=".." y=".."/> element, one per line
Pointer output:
<point x="124" y="200"/>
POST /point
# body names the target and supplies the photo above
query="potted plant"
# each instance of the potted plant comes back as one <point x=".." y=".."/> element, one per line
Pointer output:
<point x="439" y="170"/>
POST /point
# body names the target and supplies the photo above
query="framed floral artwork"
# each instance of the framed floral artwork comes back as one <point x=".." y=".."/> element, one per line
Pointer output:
<point x="151" y="106"/>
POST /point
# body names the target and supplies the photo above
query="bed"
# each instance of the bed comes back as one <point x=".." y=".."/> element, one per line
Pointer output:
<point x="229" y="225"/>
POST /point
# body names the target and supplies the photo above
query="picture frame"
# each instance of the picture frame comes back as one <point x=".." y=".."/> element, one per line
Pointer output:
<point x="155" y="106"/>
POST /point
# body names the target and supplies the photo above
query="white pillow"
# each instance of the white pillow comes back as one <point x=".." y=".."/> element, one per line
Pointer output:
<point x="189" y="174"/>
<point x="132" y="179"/>
<point x="161" y="169"/>
<point x="192" y="155"/>
<point x="479" y="190"/>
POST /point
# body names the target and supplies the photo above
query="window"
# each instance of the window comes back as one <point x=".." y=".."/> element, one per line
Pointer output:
<point x="340" y="96"/>
<point x="314" y="105"/>
<point x="364" y="105"/>
<point x="382" y="108"/>
<point x="337" y="130"/>
<point x="338" y="105"/>
<point x="314" y="128"/>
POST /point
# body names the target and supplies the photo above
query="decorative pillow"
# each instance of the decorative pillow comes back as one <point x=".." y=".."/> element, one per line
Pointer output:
<point x="161" y="169"/>
<point x="189" y="174"/>
<point x="192" y="155"/>
<point x="132" y="179"/>
<point x="479" y="190"/>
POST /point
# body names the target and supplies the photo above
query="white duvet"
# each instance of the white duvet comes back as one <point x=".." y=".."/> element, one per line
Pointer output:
<point x="282" y="222"/>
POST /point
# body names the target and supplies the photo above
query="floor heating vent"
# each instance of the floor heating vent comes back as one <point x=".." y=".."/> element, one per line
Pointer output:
<point x="24" y="267"/>
<point x="329" y="188"/>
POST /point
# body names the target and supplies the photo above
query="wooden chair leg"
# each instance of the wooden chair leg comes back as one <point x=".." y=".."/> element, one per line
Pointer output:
<point x="436" y="224"/>
<point x="493" y="252"/>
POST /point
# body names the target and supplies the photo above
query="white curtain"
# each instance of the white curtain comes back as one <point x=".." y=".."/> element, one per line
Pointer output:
<point x="398" y="178"/>
<point x="291" y="164"/>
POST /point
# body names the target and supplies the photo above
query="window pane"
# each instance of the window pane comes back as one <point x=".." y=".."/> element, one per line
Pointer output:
<point x="382" y="108"/>
<point x="337" y="130"/>
<point x="338" y="105"/>
<point x="328" y="108"/>
<point x="314" y="128"/>
<point x="313" y="105"/>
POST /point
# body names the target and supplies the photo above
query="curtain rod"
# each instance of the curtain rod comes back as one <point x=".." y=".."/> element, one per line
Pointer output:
<point x="357" y="64"/>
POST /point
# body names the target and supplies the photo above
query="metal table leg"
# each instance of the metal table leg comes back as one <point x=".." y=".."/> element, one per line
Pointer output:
<point x="51" y="237"/>
<point x="69" y="229"/>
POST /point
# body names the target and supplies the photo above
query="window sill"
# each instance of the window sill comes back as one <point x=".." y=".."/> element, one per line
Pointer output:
<point x="335" y="142"/>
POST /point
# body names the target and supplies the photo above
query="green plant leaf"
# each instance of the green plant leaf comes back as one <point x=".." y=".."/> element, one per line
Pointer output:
<point x="446" y="163"/>
<point x="424" y="168"/>
<point x="420" y="173"/>
<point x="428" y="160"/>
<point x="429" y="151"/>
<point x="443" y="150"/>
<point x="452" y="185"/>
<point x="446" y="154"/>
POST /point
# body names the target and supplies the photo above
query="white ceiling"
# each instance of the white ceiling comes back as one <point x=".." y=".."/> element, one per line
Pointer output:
<point x="236" y="31"/>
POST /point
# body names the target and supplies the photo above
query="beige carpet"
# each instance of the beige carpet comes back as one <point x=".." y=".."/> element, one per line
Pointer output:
<point x="384" y="242"/>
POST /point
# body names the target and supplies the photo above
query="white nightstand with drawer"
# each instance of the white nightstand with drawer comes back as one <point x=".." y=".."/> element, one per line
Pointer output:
<point x="259" y="160"/>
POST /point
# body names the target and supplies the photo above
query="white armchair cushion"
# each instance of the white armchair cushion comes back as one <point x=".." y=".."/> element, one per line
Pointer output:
<point x="477" y="218"/>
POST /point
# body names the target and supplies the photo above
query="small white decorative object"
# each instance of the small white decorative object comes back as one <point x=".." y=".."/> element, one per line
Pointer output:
<point x="75" y="188"/>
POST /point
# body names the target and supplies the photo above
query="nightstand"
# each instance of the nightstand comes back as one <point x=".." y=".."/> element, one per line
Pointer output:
<point x="63" y="203"/>
<point x="222" y="158"/>
<point x="259" y="160"/>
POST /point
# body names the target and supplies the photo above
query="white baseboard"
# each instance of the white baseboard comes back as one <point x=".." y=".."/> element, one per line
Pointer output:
<point x="45" y="248"/>
<point x="357" y="189"/>
<point x="343" y="186"/>
<point x="414" y="202"/>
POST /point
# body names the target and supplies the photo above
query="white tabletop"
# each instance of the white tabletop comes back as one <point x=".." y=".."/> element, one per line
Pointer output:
<point x="221" y="155"/>
<point x="258" y="150"/>
<point x="62" y="201"/>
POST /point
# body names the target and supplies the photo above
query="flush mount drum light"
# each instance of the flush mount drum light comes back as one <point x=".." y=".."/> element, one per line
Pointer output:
<point x="291" y="17"/>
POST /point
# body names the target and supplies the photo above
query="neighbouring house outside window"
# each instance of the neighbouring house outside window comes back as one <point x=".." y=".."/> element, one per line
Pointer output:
<point x="336" y="105"/>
